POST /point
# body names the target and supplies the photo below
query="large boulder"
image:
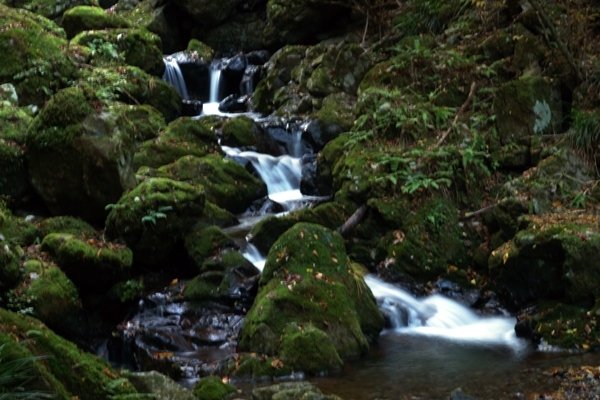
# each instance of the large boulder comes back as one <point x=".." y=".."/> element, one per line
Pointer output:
<point x="313" y="300"/>
<point x="45" y="8"/>
<point x="79" y="159"/>
<point x="227" y="183"/>
<point x="136" y="46"/>
<point x="87" y="18"/>
<point x="33" y="59"/>
<point x="154" y="217"/>
<point x="182" y="137"/>
<point x="94" y="266"/>
<point x="206" y="12"/>
<point x="243" y="31"/>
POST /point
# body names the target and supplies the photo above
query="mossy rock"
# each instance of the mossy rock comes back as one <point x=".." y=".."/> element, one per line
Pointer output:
<point x="550" y="258"/>
<point x="131" y="85"/>
<point x="154" y="217"/>
<point x="338" y="109"/>
<point x="204" y="51"/>
<point x="308" y="349"/>
<point x="182" y="137"/>
<point x="137" y="46"/>
<point x="212" y="388"/>
<point x="14" y="178"/>
<point x="46" y="289"/>
<point x="14" y="125"/>
<point x="87" y="18"/>
<point x="158" y="385"/>
<point x="308" y="278"/>
<point x="526" y="107"/>
<point x="291" y="391"/>
<point x="79" y="159"/>
<point x="240" y="132"/>
<point x="91" y="265"/>
<point x="227" y="183"/>
<point x="429" y="242"/>
<point x="256" y="367"/>
<point x="144" y="122"/>
<point x="48" y="9"/>
<point x="67" y="224"/>
<point x="93" y="378"/>
<point x="205" y="242"/>
<point x="10" y="266"/>
<point x="33" y="56"/>
<point x="215" y="215"/>
<point x="17" y="230"/>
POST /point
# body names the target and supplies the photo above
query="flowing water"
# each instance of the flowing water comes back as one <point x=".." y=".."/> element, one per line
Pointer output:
<point x="174" y="76"/>
<point x="433" y="344"/>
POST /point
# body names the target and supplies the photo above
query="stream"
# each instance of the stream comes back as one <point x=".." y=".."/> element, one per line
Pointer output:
<point x="432" y="345"/>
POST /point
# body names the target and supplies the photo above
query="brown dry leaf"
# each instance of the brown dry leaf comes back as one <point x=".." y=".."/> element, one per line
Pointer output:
<point x="271" y="295"/>
<point x="109" y="373"/>
<point x="334" y="260"/>
<point x="301" y="235"/>
<point x="99" y="252"/>
<point x="315" y="253"/>
<point x="277" y="363"/>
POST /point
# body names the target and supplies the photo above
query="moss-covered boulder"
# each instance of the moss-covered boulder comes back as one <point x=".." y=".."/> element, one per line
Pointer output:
<point x="137" y="47"/>
<point x="15" y="121"/>
<point x="238" y="31"/>
<point x="182" y="137"/>
<point x="526" y="107"/>
<point x="67" y="224"/>
<point x="154" y="217"/>
<point x="552" y="256"/>
<point x="133" y="86"/>
<point x="202" y="50"/>
<point x="240" y="132"/>
<point x="227" y="183"/>
<point x="212" y="388"/>
<point x="14" y="230"/>
<point x="46" y="293"/>
<point x="87" y="18"/>
<point x="79" y="160"/>
<point x="14" y="179"/>
<point x="215" y="215"/>
<point x="299" y="22"/>
<point x="157" y="384"/>
<point x="10" y="266"/>
<point x="428" y="243"/>
<point x="47" y="9"/>
<point x="308" y="278"/>
<point x="92" y="265"/>
<point x="144" y="122"/>
<point x="66" y="371"/>
<point x="206" y="242"/>
<point x="33" y="56"/>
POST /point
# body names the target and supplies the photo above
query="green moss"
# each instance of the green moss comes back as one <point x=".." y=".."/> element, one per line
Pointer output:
<point x="68" y="371"/>
<point x="93" y="267"/>
<point x="144" y="122"/>
<point x="215" y="215"/>
<point x="338" y="108"/>
<point x="256" y="367"/>
<point x="66" y="224"/>
<point x="203" y="51"/>
<point x="239" y="132"/>
<point x="182" y="137"/>
<point x="203" y="243"/>
<point x="308" y="349"/>
<point x="308" y="278"/>
<point x="137" y="46"/>
<point x="14" y="124"/>
<point x="155" y="217"/>
<point x="17" y="230"/>
<point x="87" y="18"/>
<point x="212" y="388"/>
<point x="9" y="266"/>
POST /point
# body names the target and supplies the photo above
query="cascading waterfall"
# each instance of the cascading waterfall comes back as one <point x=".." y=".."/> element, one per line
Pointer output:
<point x="174" y="76"/>
<point x="215" y="84"/>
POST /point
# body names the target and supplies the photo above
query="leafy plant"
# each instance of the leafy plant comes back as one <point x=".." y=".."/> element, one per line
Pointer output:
<point x="585" y="133"/>
<point x="153" y="215"/>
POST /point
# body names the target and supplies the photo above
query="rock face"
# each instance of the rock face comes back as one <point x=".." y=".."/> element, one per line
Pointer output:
<point x="206" y="12"/>
<point x="79" y="159"/>
<point x="87" y="18"/>
<point x="313" y="307"/>
<point x="154" y="217"/>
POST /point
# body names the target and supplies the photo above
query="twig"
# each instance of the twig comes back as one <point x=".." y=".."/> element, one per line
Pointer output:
<point x="352" y="221"/>
<point x="481" y="211"/>
<point x="366" y="29"/>
<point x="458" y="114"/>
<point x="561" y="44"/>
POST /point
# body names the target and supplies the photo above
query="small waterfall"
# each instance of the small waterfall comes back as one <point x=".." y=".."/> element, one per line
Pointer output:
<point x="174" y="76"/>
<point x="215" y="84"/>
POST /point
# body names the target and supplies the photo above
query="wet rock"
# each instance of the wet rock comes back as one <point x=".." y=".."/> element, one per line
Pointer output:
<point x="234" y="104"/>
<point x="252" y="76"/>
<point x="258" y="57"/>
<point x="191" y="108"/>
<point x="318" y="133"/>
<point x="212" y="388"/>
<point x="196" y="74"/>
<point x="308" y="184"/>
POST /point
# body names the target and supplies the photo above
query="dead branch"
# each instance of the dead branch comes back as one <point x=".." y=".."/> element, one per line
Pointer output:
<point x="353" y="221"/>
<point x="481" y="211"/>
<point x="458" y="114"/>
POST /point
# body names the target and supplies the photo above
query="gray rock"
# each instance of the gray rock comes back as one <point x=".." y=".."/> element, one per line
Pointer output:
<point x="158" y="384"/>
